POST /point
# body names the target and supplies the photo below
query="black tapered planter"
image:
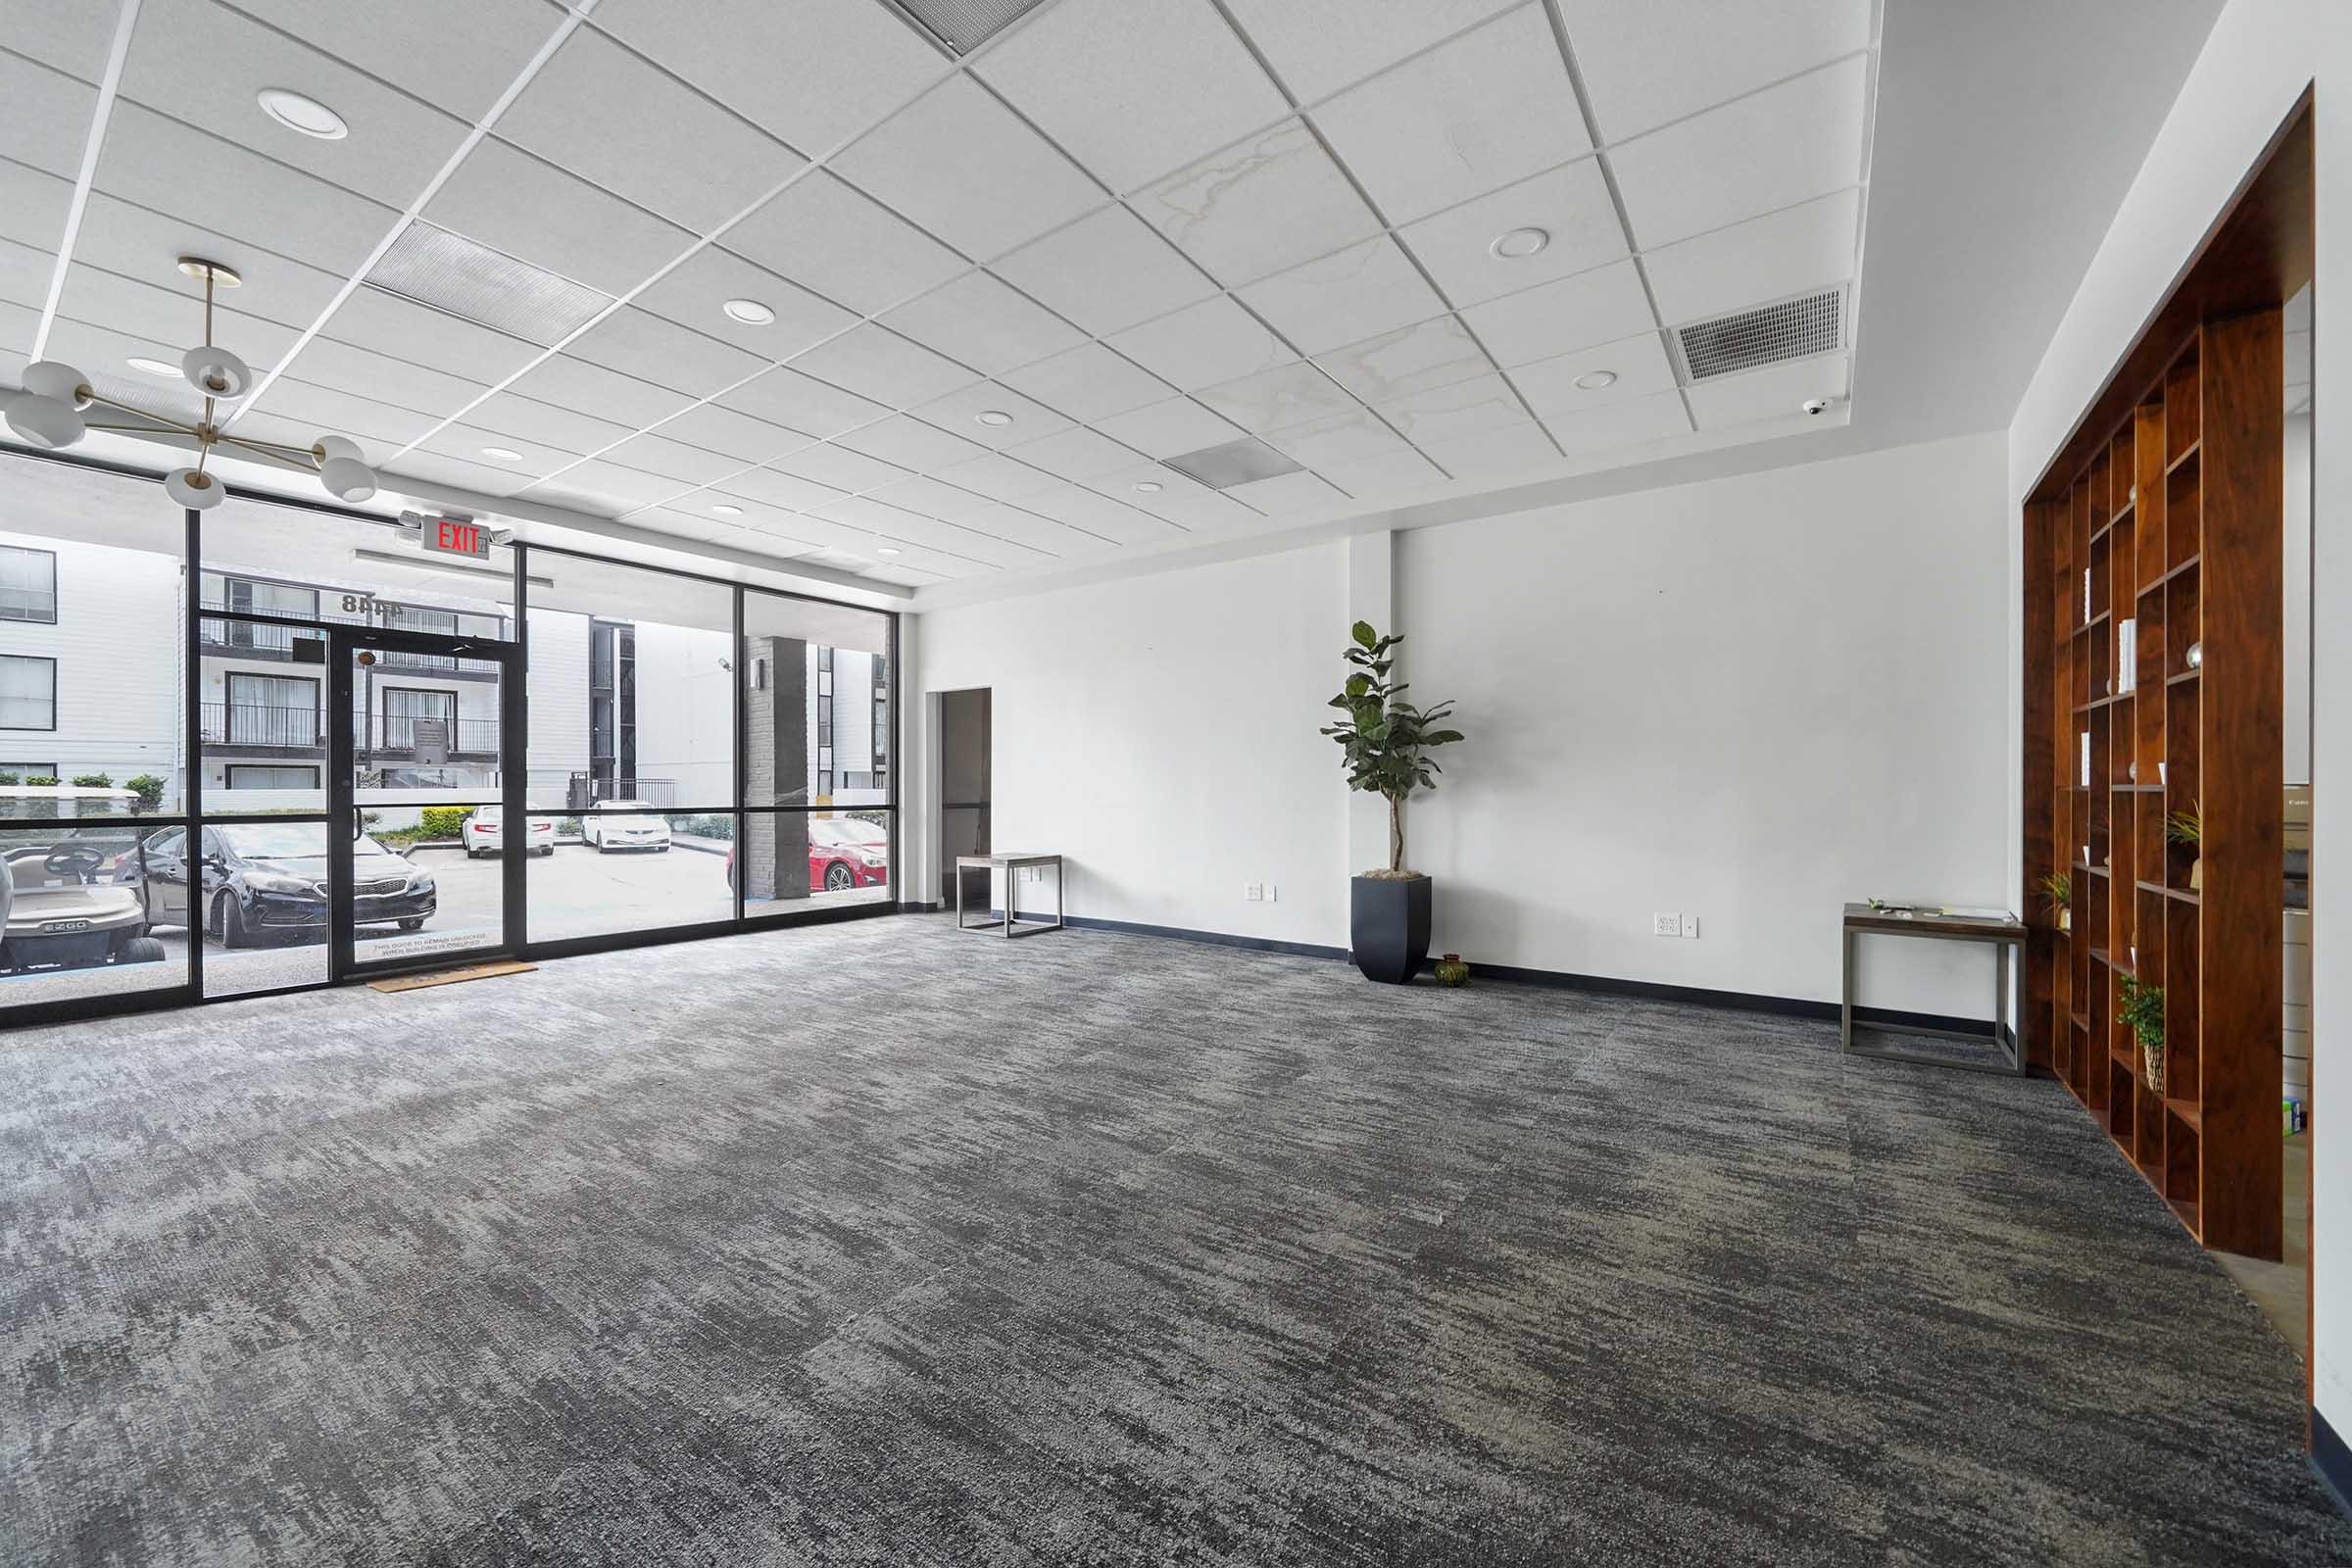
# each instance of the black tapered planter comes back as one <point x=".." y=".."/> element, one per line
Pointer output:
<point x="1388" y="927"/>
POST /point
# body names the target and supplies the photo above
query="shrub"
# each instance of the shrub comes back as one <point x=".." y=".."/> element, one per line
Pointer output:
<point x="10" y="780"/>
<point x="93" y="781"/>
<point x="444" y="821"/>
<point x="719" y="825"/>
<point x="149" y="789"/>
<point x="42" y="781"/>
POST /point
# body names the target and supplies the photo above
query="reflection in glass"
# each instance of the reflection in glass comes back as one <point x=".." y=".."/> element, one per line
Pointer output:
<point x="71" y="925"/>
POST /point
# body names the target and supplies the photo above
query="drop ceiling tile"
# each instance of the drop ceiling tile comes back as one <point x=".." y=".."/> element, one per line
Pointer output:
<point x="1287" y="494"/>
<point x="694" y="294"/>
<point x="1204" y="344"/>
<point x="202" y="63"/>
<point x="962" y="166"/>
<point x="823" y="234"/>
<point x="1088" y="383"/>
<point x="138" y="243"/>
<point x="1134" y="90"/>
<point x="1346" y="297"/>
<point x="513" y="202"/>
<point x="840" y="468"/>
<point x="1571" y="205"/>
<point x="787" y="491"/>
<point x="1319" y="46"/>
<point x="326" y="411"/>
<point x="876" y="363"/>
<point x="426" y="466"/>
<point x="1097" y="515"/>
<point x="1499" y="451"/>
<point x="959" y="411"/>
<point x="1348" y="438"/>
<point x="327" y="362"/>
<point x="689" y="525"/>
<point x="48" y="115"/>
<point x="99" y="352"/>
<point x="1487" y="109"/>
<point x="751" y="526"/>
<point x="998" y="476"/>
<point x="1179" y="497"/>
<point x="1784" y="145"/>
<point x="797" y="402"/>
<point x="1199" y="508"/>
<point x="1390" y="474"/>
<point x="465" y="443"/>
<point x="1649" y="63"/>
<point x="25" y="274"/>
<point x="1633" y="422"/>
<point x="1167" y="429"/>
<point x="933" y="497"/>
<point x="984" y="322"/>
<point x="1773" y="392"/>
<point x="165" y="313"/>
<point x="169" y="168"/>
<point x="1107" y="272"/>
<point x="1789" y="252"/>
<point x="595" y="390"/>
<point x="66" y="36"/>
<point x="1264" y="204"/>
<point x="672" y="460"/>
<point x="1563" y="315"/>
<point x="609" y="481"/>
<point x="32" y="211"/>
<point x="733" y="435"/>
<point x="1077" y="454"/>
<point x="909" y="442"/>
<point x="611" y="117"/>
<point x="1038" y="533"/>
<point x="814" y="72"/>
<point x="371" y="319"/>
<point x="1287" y="395"/>
<point x="658" y="351"/>
<point x="1412" y="359"/>
<point x="457" y="54"/>
<point x="1638" y="364"/>
<point x="1466" y="408"/>
<point x="507" y="414"/>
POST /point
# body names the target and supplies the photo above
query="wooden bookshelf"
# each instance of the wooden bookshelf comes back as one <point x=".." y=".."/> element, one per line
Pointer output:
<point x="2162" y="692"/>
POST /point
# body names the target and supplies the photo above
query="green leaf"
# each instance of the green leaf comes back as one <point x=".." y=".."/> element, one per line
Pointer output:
<point x="1363" y="634"/>
<point x="1357" y="685"/>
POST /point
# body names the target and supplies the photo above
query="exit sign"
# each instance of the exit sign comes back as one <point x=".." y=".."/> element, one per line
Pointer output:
<point x="456" y="536"/>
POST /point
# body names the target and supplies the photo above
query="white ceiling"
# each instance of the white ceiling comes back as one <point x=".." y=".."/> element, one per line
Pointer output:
<point x="1139" y="226"/>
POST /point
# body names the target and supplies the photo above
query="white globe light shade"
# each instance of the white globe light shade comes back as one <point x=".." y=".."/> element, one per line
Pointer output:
<point x="55" y="379"/>
<point x="337" y="446"/>
<point x="198" y="492"/>
<point x="347" y="478"/>
<point x="215" y="373"/>
<point x="44" y="422"/>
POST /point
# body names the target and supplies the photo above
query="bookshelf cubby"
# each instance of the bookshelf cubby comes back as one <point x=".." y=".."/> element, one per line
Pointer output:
<point x="2163" y="556"/>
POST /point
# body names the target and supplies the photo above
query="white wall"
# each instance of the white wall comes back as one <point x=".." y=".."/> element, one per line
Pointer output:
<point x="2261" y="57"/>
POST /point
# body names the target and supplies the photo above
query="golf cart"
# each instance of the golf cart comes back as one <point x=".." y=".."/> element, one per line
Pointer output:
<point x="57" y="910"/>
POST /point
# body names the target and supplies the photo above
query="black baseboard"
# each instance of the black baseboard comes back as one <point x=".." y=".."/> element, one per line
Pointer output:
<point x="1601" y="985"/>
<point x="2332" y="1462"/>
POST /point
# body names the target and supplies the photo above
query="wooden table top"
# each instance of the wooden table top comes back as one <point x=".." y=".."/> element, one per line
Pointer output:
<point x="1930" y="919"/>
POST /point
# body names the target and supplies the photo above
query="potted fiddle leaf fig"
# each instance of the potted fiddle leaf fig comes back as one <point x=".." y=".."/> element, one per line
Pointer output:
<point x="1385" y="744"/>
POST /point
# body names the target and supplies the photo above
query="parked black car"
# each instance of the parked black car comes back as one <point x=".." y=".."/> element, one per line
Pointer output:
<point x="272" y="876"/>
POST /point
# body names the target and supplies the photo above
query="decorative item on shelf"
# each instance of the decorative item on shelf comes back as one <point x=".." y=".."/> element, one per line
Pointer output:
<point x="2126" y="644"/>
<point x="2086" y="595"/>
<point x="2140" y="1009"/>
<point x="2187" y="830"/>
<point x="2294" y="1117"/>
<point x="2132" y="772"/>
<point x="1451" y="970"/>
<point x="2160" y="774"/>
<point x="1385" y="744"/>
<point x="2059" y="889"/>
<point x="2196" y="655"/>
<point x="2087" y="758"/>
<point x="47" y="414"/>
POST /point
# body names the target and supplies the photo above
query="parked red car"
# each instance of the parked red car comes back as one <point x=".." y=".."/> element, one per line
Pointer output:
<point x="843" y="853"/>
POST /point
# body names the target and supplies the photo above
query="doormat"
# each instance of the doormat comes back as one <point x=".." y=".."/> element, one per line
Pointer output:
<point x="449" y="977"/>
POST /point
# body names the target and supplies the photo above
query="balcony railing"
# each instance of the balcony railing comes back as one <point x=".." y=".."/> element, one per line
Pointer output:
<point x="304" y="729"/>
<point x="396" y="732"/>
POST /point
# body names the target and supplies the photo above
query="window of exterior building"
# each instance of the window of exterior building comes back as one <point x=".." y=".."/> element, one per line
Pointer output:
<point x="270" y="776"/>
<point x="271" y="710"/>
<point x="28" y="584"/>
<point x="27" y="692"/>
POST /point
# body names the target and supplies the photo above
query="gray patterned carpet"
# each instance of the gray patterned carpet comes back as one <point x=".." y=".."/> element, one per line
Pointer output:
<point x="883" y="1244"/>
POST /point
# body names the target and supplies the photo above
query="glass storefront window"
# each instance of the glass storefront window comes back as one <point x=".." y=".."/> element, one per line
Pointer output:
<point x="816" y="704"/>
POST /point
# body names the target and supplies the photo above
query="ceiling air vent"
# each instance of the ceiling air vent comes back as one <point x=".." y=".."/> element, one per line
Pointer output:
<point x="464" y="278"/>
<point x="1793" y="329"/>
<point x="962" y="25"/>
<point x="1221" y="468"/>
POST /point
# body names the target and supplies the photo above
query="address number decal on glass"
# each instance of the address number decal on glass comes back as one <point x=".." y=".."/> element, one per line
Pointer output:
<point x="369" y="604"/>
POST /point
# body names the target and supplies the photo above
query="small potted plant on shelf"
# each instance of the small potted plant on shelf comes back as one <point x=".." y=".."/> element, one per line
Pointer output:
<point x="1385" y="745"/>
<point x="2059" y="889"/>
<point x="2187" y="830"/>
<point x="2140" y="1009"/>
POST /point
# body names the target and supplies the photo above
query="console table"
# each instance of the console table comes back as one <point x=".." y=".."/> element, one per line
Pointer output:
<point x="2005" y="934"/>
<point x="1012" y="865"/>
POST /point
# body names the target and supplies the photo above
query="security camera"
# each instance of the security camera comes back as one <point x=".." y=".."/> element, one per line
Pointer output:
<point x="1816" y="404"/>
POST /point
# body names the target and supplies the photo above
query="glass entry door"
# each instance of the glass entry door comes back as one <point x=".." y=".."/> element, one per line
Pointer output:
<point x="419" y="754"/>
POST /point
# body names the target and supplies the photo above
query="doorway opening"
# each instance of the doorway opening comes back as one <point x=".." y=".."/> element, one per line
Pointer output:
<point x="965" y="779"/>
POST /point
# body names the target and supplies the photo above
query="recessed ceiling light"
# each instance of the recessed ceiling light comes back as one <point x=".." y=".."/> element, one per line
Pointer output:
<point x="886" y="550"/>
<point x="750" y="313"/>
<point x="728" y="511"/>
<point x="1149" y="487"/>
<point x="1594" y="380"/>
<point x="501" y="453"/>
<point x="996" y="418"/>
<point x="154" y="366"/>
<point x="306" y="115"/>
<point x="1519" y="243"/>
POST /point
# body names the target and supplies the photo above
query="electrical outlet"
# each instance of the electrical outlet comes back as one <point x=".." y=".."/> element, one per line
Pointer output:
<point x="1666" y="926"/>
<point x="1690" y="926"/>
<point x="1249" y="892"/>
<point x="1270" y="893"/>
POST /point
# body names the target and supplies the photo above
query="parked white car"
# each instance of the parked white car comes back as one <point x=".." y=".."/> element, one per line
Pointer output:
<point x="484" y="833"/>
<point x="625" y="825"/>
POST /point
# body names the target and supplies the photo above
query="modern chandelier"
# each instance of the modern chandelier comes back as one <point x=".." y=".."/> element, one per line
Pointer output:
<point x="48" y="414"/>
